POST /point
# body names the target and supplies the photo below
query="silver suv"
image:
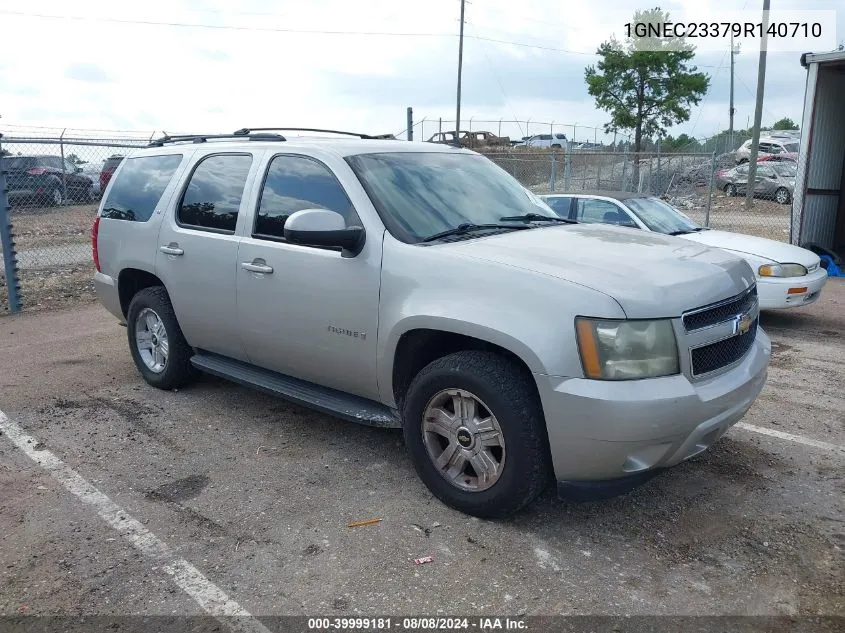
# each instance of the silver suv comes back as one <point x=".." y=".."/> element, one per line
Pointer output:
<point x="420" y="286"/>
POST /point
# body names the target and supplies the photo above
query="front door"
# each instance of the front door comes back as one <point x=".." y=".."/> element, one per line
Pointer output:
<point x="198" y="250"/>
<point x="307" y="311"/>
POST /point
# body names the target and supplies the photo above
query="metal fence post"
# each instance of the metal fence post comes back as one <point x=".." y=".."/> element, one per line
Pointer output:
<point x="553" y="177"/>
<point x="10" y="260"/>
<point x="567" y="171"/>
<point x="64" y="174"/>
<point x="659" y="171"/>
<point x="710" y="189"/>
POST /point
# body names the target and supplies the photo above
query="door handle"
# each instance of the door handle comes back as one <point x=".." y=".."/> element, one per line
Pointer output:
<point x="171" y="249"/>
<point x="257" y="268"/>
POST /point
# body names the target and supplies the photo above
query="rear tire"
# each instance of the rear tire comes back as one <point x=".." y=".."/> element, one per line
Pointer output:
<point x="782" y="196"/>
<point x="158" y="347"/>
<point x="55" y="197"/>
<point x="491" y="441"/>
<point x="730" y="190"/>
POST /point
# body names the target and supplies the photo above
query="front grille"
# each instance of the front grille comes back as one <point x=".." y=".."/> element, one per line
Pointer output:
<point x="719" y="313"/>
<point x="722" y="353"/>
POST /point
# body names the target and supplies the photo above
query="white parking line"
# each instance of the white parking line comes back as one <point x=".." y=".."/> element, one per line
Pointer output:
<point x="798" y="439"/>
<point x="206" y="594"/>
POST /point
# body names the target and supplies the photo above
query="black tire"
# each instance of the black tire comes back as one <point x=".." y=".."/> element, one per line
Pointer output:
<point x="178" y="369"/>
<point x="788" y="197"/>
<point x="730" y="190"/>
<point x="510" y="394"/>
<point x="54" y="197"/>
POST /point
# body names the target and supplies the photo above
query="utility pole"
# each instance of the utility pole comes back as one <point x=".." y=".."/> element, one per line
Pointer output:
<point x="758" y="112"/>
<point x="732" y="110"/>
<point x="460" y="67"/>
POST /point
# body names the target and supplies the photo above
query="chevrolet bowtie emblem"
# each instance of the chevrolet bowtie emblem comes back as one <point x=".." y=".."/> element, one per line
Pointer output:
<point x="742" y="324"/>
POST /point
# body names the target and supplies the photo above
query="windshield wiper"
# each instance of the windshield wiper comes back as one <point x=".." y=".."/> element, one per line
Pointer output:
<point x="536" y="217"/>
<point x="682" y="232"/>
<point x="468" y="227"/>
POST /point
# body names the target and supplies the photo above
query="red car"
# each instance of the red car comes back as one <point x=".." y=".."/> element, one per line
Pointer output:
<point x="790" y="156"/>
<point x="109" y="166"/>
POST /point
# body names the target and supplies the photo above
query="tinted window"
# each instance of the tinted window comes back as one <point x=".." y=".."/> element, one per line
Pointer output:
<point x="214" y="192"/>
<point x="787" y="170"/>
<point x="19" y="163"/>
<point x="138" y="188"/>
<point x="590" y="210"/>
<point x="545" y="137"/>
<point x="560" y="136"/>
<point x="294" y="183"/>
<point x="764" y="172"/>
<point x="792" y="147"/>
<point x="559" y="205"/>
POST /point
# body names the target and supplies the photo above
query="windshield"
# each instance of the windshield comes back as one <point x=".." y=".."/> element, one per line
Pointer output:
<point x="24" y="162"/>
<point x="791" y="147"/>
<point x="785" y="169"/>
<point x="660" y="217"/>
<point x="421" y="194"/>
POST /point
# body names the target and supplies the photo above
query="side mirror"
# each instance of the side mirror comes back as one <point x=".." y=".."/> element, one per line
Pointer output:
<point x="321" y="227"/>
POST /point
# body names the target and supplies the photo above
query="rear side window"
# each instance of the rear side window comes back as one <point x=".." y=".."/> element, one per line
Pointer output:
<point x="294" y="183"/>
<point x="135" y="193"/>
<point x="213" y="196"/>
<point x="559" y="205"/>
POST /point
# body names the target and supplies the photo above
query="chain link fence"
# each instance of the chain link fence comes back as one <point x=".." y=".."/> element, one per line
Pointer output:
<point x="53" y="186"/>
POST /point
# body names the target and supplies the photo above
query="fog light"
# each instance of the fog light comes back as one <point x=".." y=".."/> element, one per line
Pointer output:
<point x="796" y="291"/>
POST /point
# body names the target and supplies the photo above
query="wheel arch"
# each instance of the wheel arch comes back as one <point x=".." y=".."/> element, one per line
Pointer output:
<point x="421" y="342"/>
<point x="130" y="281"/>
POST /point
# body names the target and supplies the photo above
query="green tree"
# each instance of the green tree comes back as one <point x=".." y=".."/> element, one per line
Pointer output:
<point x="785" y="124"/>
<point x="646" y="84"/>
<point x="75" y="159"/>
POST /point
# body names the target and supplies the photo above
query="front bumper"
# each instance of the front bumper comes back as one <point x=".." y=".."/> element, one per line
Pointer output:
<point x="602" y="430"/>
<point x="773" y="292"/>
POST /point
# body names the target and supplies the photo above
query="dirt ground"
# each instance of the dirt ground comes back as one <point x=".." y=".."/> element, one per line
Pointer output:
<point x="257" y="493"/>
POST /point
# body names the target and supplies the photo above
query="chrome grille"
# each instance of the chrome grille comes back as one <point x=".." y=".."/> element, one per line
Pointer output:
<point x="720" y="312"/>
<point x="708" y="358"/>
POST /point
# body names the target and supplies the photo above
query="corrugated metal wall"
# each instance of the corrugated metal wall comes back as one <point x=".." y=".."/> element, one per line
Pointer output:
<point x="827" y="154"/>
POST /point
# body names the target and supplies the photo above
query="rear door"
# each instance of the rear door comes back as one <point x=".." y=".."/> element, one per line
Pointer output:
<point x="198" y="248"/>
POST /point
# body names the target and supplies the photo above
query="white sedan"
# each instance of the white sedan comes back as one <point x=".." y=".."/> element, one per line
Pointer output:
<point x="787" y="275"/>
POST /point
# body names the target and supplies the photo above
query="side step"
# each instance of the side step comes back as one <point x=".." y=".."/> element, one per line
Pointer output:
<point x="331" y="401"/>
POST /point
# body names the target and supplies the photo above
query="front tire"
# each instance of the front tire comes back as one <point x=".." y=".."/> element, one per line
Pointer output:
<point x="730" y="190"/>
<point x="158" y="347"/>
<point x="476" y="433"/>
<point x="782" y="196"/>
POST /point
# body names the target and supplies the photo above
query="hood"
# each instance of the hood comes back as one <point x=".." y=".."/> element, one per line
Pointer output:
<point x="779" y="252"/>
<point x="648" y="274"/>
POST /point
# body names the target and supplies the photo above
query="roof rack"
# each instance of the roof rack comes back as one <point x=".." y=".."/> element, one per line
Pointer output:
<point x="247" y="130"/>
<point x="202" y="138"/>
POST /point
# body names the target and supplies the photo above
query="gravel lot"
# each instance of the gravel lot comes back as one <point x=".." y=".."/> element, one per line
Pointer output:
<point x="257" y="495"/>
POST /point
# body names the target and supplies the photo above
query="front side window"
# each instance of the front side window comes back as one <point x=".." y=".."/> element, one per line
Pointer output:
<point x="213" y="196"/>
<point x="294" y="183"/>
<point x="136" y="191"/>
<point x="419" y="194"/>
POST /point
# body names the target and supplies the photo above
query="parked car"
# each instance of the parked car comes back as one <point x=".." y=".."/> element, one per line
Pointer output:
<point x="421" y="286"/>
<point x="474" y="140"/>
<point x="786" y="275"/>
<point x="93" y="171"/>
<point x="106" y="172"/>
<point x="590" y="147"/>
<point x="786" y="144"/>
<point x="553" y="141"/>
<point x="46" y="181"/>
<point x="775" y="180"/>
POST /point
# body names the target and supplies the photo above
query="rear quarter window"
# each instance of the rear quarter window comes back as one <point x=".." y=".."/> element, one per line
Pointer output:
<point x="137" y="189"/>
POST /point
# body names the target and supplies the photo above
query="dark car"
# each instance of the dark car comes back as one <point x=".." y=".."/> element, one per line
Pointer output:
<point x="46" y="181"/>
<point x="109" y="166"/>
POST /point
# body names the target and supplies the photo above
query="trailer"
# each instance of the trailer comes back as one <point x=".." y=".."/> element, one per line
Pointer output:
<point x="818" y="206"/>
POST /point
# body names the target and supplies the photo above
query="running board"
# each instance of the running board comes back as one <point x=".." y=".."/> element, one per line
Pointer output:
<point x="331" y="401"/>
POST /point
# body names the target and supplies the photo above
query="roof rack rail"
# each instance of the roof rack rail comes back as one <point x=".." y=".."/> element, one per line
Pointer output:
<point x="247" y="130"/>
<point x="202" y="138"/>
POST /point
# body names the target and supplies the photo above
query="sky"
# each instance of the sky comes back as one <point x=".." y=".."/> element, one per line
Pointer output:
<point x="349" y="64"/>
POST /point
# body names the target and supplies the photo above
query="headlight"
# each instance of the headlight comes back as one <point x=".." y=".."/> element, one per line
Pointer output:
<point x="626" y="350"/>
<point x="782" y="270"/>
